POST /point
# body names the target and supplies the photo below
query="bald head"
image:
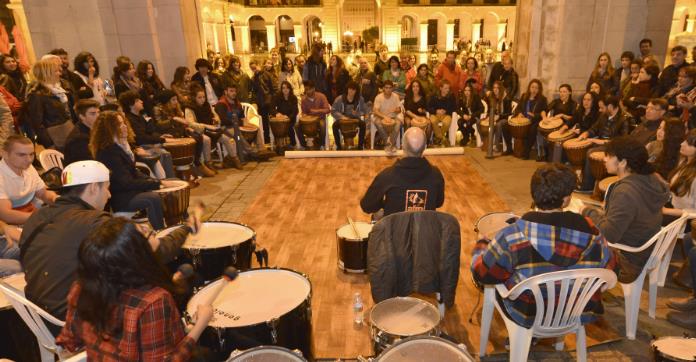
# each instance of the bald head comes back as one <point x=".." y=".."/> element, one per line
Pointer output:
<point x="414" y="142"/>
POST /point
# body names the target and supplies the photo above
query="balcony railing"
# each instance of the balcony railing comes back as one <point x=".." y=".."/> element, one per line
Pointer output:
<point x="277" y="3"/>
<point x="458" y="2"/>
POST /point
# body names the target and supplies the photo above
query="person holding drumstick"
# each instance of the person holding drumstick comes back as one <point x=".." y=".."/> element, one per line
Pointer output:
<point x="411" y="184"/>
<point x="121" y="306"/>
<point x="349" y="105"/>
<point x="387" y="109"/>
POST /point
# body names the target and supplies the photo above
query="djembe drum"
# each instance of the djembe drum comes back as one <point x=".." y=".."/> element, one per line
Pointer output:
<point x="249" y="132"/>
<point x="576" y="150"/>
<point x="183" y="152"/>
<point x="548" y="125"/>
<point x="280" y="126"/>
<point x="423" y="124"/>
<point x="349" y="128"/>
<point x="309" y="125"/>
<point x="519" y="129"/>
<point x="175" y="201"/>
<point x="599" y="172"/>
<point x="483" y="132"/>
<point x="389" y="125"/>
<point x="605" y="184"/>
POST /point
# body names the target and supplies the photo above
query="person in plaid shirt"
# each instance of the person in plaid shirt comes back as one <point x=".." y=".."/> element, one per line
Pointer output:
<point x="543" y="241"/>
<point x="121" y="307"/>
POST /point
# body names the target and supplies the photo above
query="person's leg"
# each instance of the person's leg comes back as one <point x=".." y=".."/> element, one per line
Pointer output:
<point x="380" y="129"/>
<point x="263" y="112"/>
<point x="446" y="122"/>
<point x="260" y="138"/>
<point x="206" y="148"/>
<point x="362" y="127"/>
<point x="9" y="258"/>
<point x="337" y="133"/>
<point x="229" y="145"/>
<point x="437" y="131"/>
<point x="166" y="161"/>
<point x="541" y="146"/>
<point x="199" y="148"/>
<point x="291" y="133"/>
<point x="507" y="136"/>
<point x="588" y="179"/>
<point x="322" y="136"/>
<point x="300" y="136"/>
<point x="152" y="203"/>
<point x="531" y="139"/>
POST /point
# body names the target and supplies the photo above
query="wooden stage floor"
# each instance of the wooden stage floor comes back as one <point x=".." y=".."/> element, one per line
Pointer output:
<point x="298" y="210"/>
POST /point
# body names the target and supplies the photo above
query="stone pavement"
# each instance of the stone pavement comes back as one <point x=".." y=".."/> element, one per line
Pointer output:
<point x="228" y="194"/>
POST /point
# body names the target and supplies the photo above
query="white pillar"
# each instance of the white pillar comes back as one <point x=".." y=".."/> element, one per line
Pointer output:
<point x="216" y="44"/>
<point x="271" y="36"/>
<point x="243" y="33"/>
<point x="475" y="32"/>
<point x="690" y="25"/>
<point x="501" y="32"/>
<point x="299" y="37"/>
<point x="423" y="37"/>
<point x="449" y="38"/>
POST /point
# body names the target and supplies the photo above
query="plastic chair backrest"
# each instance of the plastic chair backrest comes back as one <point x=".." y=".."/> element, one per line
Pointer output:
<point x="562" y="315"/>
<point x="50" y="159"/>
<point x="33" y="316"/>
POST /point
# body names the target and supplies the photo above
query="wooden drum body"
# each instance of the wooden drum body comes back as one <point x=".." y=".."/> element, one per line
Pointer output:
<point x="483" y="132"/>
<point x="349" y="128"/>
<point x="175" y="201"/>
<point x="599" y="172"/>
<point x="423" y="124"/>
<point x="576" y="150"/>
<point x="309" y="126"/>
<point x="249" y="132"/>
<point x="605" y="184"/>
<point x="183" y="152"/>
<point x="519" y="129"/>
<point x="280" y="126"/>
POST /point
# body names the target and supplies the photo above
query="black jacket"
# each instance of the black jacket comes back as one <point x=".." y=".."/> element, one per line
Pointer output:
<point x="605" y="129"/>
<point x="263" y="88"/>
<point x="367" y="91"/>
<point x="44" y="110"/>
<point x="337" y="87"/>
<point x="145" y="132"/>
<point x="287" y="107"/>
<point x="316" y="71"/>
<point x="414" y="252"/>
<point x="77" y="145"/>
<point x="214" y="80"/>
<point x="411" y="184"/>
<point x="475" y="109"/>
<point x="668" y="77"/>
<point x="536" y="106"/>
<point x="448" y="103"/>
<point x="126" y="180"/>
<point x="50" y="259"/>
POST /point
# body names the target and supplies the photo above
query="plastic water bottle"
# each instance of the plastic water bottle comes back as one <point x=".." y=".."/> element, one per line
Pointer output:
<point x="357" y="309"/>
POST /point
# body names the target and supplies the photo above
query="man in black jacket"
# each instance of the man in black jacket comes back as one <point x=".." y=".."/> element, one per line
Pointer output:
<point x="209" y="81"/>
<point x="669" y="75"/>
<point x="77" y="143"/>
<point x="146" y="135"/>
<point x="51" y="237"/>
<point x="411" y="184"/>
<point x="264" y="88"/>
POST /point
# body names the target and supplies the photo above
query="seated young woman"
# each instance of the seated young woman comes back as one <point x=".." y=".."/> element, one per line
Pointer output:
<point x="200" y="117"/>
<point x="533" y="107"/>
<point x="121" y="306"/>
<point x="664" y="151"/>
<point x="470" y="111"/>
<point x="170" y="120"/>
<point x="416" y="104"/>
<point x="130" y="189"/>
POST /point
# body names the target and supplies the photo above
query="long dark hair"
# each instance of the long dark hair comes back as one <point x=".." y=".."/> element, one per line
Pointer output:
<point x="113" y="258"/>
<point x="203" y="112"/>
<point x="153" y="81"/>
<point x="594" y="108"/>
<point x="635" y="154"/>
<point x="686" y="171"/>
<point x="179" y="75"/>
<point x="667" y="160"/>
<point x="81" y="59"/>
<point x="123" y="64"/>
<point x="409" y="90"/>
<point x="291" y="96"/>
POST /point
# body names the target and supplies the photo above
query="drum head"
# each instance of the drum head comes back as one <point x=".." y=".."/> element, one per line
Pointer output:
<point x="550" y="123"/>
<point x="576" y="143"/>
<point x="256" y="296"/>
<point x="308" y="119"/>
<point x="556" y="136"/>
<point x="180" y="185"/>
<point x="346" y="231"/>
<point x="219" y="234"/>
<point x="484" y="123"/>
<point x="604" y="184"/>
<point x="679" y="348"/>
<point x="248" y="128"/>
<point x="519" y="121"/>
<point x="179" y="141"/>
<point x="266" y="354"/>
<point x="597" y="156"/>
<point x="490" y="224"/>
<point x="420" y="349"/>
<point x="404" y="316"/>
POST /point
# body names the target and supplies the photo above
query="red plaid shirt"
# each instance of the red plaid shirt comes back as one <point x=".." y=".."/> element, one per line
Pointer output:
<point x="152" y="329"/>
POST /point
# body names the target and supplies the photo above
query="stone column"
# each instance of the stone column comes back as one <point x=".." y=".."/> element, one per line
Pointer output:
<point x="423" y="37"/>
<point x="271" y="36"/>
<point x="558" y="41"/>
<point x="243" y="33"/>
<point x="449" y="38"/>
<point x="299" y="37"/>
<point x="21" y="20"/>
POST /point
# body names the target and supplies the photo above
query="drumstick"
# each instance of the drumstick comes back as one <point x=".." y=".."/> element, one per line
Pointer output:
<point x="228" y="276"/>
<point x="355" y="229"/>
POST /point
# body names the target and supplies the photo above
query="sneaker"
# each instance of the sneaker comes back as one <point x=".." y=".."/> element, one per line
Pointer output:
<point x="682" y="304"/>
<point x="685" y="320"/>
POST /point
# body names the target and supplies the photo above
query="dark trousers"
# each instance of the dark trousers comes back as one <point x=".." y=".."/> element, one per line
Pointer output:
<point x="532" y="139"/>
<point x="199" y="147"/>
<point x="337" y="134"/>
<point x="264" y="114"/>
<point x="467" y="129"/>
<point x="588" y="180"/>
<point x="152" y="203"/>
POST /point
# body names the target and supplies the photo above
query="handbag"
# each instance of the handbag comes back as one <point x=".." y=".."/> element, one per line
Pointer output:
<point x="59" y="134"/>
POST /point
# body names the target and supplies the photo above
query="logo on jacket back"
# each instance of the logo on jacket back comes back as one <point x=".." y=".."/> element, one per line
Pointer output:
<point x="415" y="200"/>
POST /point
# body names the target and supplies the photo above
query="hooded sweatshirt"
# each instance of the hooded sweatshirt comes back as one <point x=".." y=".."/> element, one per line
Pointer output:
<point x="632" y="213"/>
<point x="411" y="184"/>
<point x="541" y="242"/>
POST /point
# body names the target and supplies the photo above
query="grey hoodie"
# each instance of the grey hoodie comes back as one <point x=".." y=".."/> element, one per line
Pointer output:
<point x="632" y="213"/>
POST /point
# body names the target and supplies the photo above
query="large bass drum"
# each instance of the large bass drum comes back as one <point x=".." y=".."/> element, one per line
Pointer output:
<point x="401" y="317"/>
<point x="260" y="307"/>
<point x="266" y="354"/>
<point x="418" y="349"/>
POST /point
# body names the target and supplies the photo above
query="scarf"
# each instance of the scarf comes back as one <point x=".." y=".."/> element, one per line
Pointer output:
<point x="126" y="148"/>
<point x="133" y="84"/>
<point x="58" y="92"/>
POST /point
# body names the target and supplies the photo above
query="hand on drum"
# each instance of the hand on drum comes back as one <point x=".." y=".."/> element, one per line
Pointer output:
<point x="204" y="313"/>
<point x="167" y="184"/>
<point x="194" y="220"/>
<point x="167" y="135"/>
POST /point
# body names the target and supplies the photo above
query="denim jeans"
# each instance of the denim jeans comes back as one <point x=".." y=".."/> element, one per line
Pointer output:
<point x="152" y="203"/>
<point x="9" y="258"/>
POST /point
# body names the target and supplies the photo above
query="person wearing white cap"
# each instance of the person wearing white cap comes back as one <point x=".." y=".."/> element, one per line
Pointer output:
<point x="52" y="236"/>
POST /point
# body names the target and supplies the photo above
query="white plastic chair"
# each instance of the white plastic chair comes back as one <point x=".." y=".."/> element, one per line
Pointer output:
<point x="51" y="158"/>
<point x="453" y="128"/>
<point x="656" y="267"/>
<point x="484" y="115"/>
<point x="144" y="167"/>
<point x="576" y="287"/>
<point x="34" y="317"/>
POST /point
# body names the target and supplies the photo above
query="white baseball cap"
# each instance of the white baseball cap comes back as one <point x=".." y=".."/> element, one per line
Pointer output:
<point x="84" y="172"/>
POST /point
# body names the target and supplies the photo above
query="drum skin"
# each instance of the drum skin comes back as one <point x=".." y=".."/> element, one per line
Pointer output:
<point x="249" y="132"/>
<point x="548" y="125"/>
<point x="394" y="319"/>
<point x="597" y="167"/>
<point x="292" y="330"/>
<point x="352" y="251"/>
<point x="425" y="349"/>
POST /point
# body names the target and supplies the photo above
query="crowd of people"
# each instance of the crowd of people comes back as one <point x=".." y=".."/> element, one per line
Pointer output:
<point x="80" y="261"/>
